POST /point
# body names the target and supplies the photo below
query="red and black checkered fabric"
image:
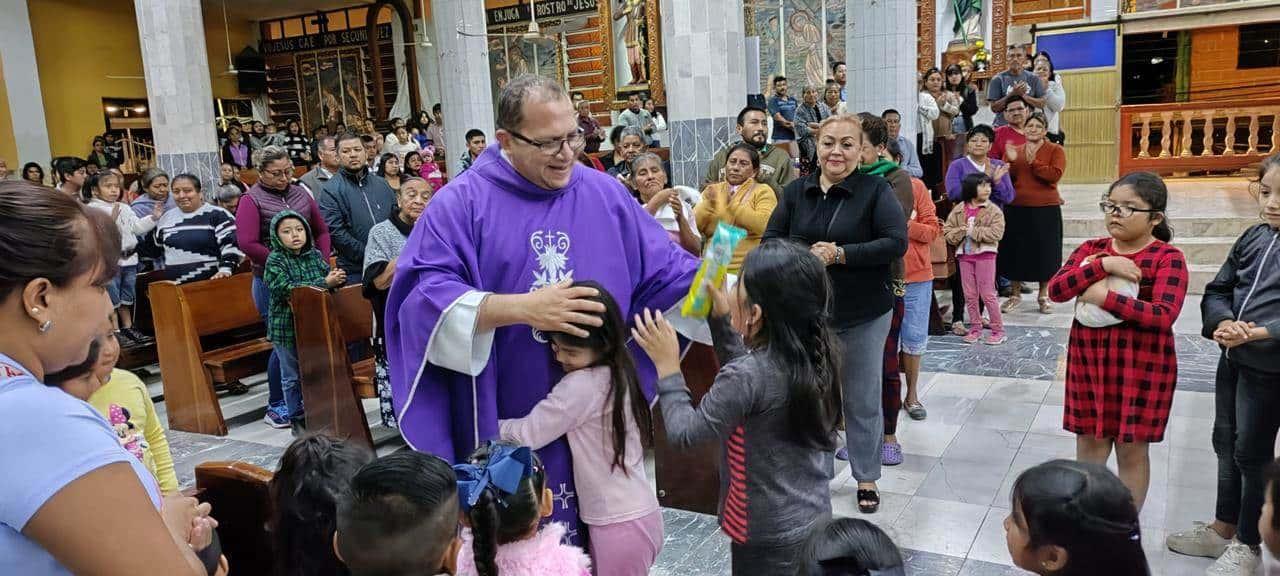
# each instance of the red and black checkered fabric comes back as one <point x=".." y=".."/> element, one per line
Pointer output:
<point x="1120" y="379"/>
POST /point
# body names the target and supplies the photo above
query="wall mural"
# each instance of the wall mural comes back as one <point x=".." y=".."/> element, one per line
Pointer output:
<point x="333" y="88"/>
<point x="511" y="56"/>
<point x="792" y="32"/>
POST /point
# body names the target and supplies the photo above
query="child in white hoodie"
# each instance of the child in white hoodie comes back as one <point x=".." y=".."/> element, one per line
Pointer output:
<point x="104" y="190"/>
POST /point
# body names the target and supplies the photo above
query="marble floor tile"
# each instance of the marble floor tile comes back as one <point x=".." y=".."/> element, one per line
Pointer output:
<point x="945" y="409"/>
<point x="960" y="386"/>
<point x="939" y="526"/>
<point x="980" y="568"/>
<point x="1178" y="565"/>
<point x="1193" y="404"/>
<point x="1032" y="391"/>
<point x="1057" y="394"/>
<point x="844" y="503"/>
<point x="963" y="481"/>
<point x="1185" y="506"/>
<point x="985" y="445"/>
<point x="920" y="563"/>
<point x="990" y="545"/>
<point x="1049" y="421"/>
<point x="1192" y="468"/>
<point x="1049" y="446"/>
<point x="1002" y="415"/>
<point x="925" y="438"/>
<point x="1155" y="510"/>
<point x="1030" y="353"/>
<point x="1187" y="432"/>
<point x="906" y="477"/>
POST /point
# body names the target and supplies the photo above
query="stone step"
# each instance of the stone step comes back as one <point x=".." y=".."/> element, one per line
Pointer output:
<point x="1208" y="250"/>
<point x="1093" y="227"/>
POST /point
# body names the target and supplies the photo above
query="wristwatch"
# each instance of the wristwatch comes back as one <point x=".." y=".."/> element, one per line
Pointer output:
<point x="840" y="255"/>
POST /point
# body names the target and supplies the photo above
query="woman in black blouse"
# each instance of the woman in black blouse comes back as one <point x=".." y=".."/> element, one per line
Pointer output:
<point x="853" y="223"/>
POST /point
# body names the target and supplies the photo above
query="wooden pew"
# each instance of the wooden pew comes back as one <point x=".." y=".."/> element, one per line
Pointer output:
<point x="332" y="385"/>
<point x="189" y="318"/>
<point x="689" y="479"/>
<point x="240" y="495"/>
<point x="133" y="357"/>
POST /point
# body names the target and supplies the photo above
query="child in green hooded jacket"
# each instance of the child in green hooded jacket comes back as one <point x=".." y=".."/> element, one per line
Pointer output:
<point x="294" y="262"/>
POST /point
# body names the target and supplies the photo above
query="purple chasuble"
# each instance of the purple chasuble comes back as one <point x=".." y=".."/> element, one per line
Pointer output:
<point x="492" y="230"/>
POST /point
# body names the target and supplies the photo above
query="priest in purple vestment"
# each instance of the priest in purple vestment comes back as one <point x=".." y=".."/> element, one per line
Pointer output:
<point x="485" y="274"/>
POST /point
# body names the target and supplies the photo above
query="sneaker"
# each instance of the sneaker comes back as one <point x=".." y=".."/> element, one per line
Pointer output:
<point x="1200" y="540"/>
<point x="891" y="454"/>
<point x="138" y="336"/>
<point x="276" y="417"/>
<point x="1238" y="560"/>
<point x="994" y="340"/>
<point x="972" y="337"/>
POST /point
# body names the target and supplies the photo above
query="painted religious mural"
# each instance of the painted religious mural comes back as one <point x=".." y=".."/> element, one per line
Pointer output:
<point x="333" y="89"/>
<point x="793" y="35"/>
<point x="511" y="55"/>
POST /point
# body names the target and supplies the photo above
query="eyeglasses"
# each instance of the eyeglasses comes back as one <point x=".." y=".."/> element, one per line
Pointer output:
<point x="576" y="141"/>
<point x="1122" y="211"/>
<point x="278" y="173"/>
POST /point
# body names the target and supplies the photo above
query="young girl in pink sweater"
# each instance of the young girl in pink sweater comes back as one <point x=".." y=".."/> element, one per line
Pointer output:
<point x="599" y="405"/>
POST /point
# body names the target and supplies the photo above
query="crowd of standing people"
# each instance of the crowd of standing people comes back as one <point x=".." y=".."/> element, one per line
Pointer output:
<point x="825" y="310"/>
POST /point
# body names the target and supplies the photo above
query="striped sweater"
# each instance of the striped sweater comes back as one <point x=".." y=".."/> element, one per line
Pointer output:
<point x="772" y="489"/>
<point x="198" y="244"/>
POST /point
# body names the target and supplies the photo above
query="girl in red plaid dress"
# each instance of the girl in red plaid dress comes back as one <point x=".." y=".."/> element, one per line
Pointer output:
<point x="1120" y="378"/>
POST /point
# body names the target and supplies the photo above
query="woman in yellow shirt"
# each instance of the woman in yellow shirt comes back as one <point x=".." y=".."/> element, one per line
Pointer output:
<point x="739" y="201"/>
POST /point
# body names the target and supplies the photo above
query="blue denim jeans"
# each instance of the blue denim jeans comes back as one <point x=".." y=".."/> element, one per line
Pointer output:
<point x="289" y="380"/>
<point x="261" y="301"/>
<point x="914" y="337"/>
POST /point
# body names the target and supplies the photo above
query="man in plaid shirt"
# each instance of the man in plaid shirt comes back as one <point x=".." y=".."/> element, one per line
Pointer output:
<point x="294" y="262"/>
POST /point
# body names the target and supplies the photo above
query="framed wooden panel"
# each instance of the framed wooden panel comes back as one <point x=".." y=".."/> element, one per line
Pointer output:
<point x="633" y="50"/>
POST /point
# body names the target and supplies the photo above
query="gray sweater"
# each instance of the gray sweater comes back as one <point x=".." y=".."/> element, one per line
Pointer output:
<point x="772" y="489"/>
<point x="1252" y="273"/>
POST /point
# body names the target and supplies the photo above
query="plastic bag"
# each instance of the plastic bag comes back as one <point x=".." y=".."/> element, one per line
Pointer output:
<point x="1094" y="316"/>
<point x="715" y="264"/>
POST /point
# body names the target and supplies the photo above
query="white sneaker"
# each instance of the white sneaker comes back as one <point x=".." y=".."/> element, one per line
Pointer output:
<point x="1200" y="540"/>
<point x="1238" y="560"/>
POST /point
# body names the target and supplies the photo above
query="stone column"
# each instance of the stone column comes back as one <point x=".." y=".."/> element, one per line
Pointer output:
<point x="21" y="78"/>
<point x="179" y="93"/>
<point x="466" y="96"/>
<point x="704" y="59"/>
<point x="881" y="58"/>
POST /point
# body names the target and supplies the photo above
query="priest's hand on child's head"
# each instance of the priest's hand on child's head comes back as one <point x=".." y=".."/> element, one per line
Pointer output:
<point x="563" y="307"/>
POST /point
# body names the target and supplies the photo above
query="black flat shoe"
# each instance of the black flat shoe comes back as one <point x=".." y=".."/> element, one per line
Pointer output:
<point x="872" y="496"/>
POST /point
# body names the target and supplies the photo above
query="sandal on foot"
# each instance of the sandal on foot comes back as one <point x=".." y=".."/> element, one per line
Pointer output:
<point x="916" y="411"/>
<point x="1045" y="307"/>
<point x="1011" y="304"/>
<point x="871" y="496"/>
<point x="891" y="454"/>
<point x="959" y="329"/>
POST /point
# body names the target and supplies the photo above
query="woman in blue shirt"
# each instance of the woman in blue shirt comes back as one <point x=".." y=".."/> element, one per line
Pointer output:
<point x="72" y="500"/>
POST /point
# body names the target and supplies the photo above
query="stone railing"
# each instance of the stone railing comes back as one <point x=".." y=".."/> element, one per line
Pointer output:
<point x="1198" y="136"/>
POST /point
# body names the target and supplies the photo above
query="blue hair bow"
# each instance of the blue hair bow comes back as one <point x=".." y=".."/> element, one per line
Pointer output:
<point x="507" y="466"/>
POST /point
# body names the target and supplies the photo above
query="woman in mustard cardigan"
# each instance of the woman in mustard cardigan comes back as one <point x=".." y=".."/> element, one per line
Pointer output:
<point x="739" y="201"/>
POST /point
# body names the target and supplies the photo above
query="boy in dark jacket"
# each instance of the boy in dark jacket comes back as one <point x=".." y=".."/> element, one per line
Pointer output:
<point x="294" y="262"/>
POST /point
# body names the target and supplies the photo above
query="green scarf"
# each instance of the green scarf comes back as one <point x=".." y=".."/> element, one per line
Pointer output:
<point x="880" y="168"/>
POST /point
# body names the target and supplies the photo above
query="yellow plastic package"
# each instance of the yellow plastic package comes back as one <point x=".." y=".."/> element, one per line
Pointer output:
<point x="715" y="264"/>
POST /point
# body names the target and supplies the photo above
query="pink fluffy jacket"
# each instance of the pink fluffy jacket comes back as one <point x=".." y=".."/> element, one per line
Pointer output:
<point x="542" y="555"/>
